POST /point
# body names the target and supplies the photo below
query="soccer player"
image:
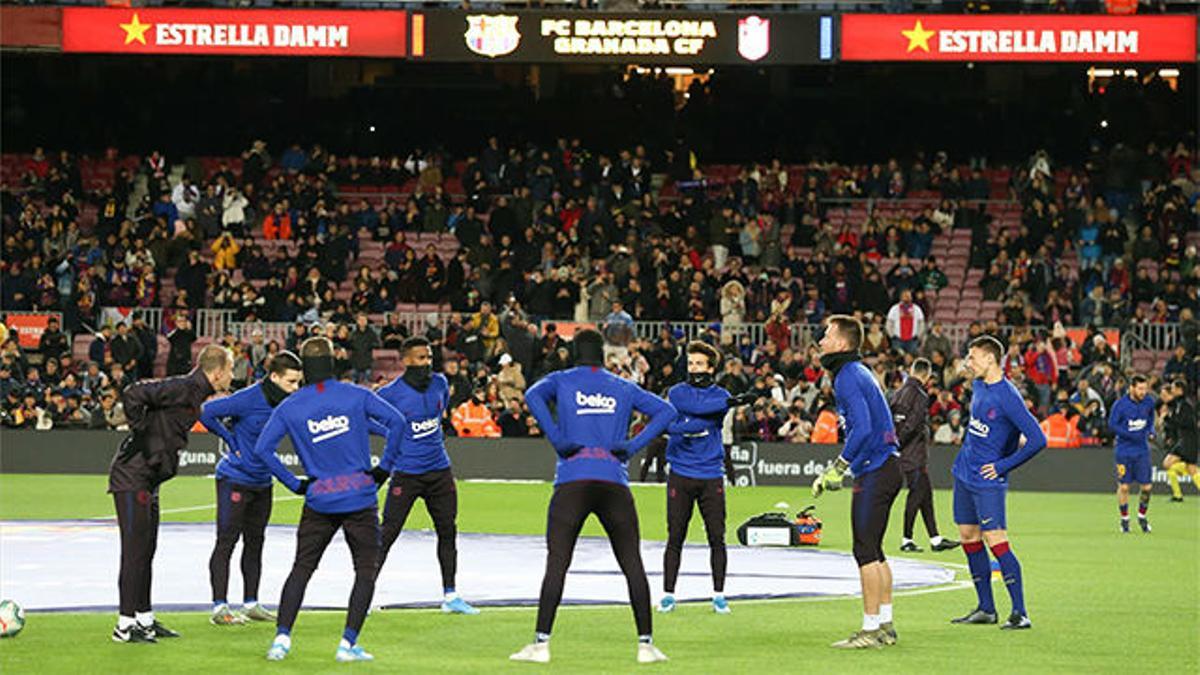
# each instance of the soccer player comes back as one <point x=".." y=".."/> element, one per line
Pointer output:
<point x="327" y="422"/>
<point x="1132" y="421"/>
<point x="244" y="485"/>
<point x="1182" y="436"/>
<point x="697" y="459"/>
<point x="160" y="414"/>
<point x="991" y="450"/>
<point x="910" y="414"/>
<point x="423" y="470"/>
<point x="590" y="434"/>
<point x="871" y="456"/>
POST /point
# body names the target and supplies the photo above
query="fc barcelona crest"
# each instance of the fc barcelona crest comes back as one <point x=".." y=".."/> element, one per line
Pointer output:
<point x="754" y="37"/>
<point x="492" y="35"/>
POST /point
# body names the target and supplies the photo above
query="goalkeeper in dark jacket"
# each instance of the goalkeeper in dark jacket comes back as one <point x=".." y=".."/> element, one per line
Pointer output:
<point x="590" y="433"/>
<point x="910" y="413"/>
<point x="160" y="414"/>
<point x="696" y="457"/>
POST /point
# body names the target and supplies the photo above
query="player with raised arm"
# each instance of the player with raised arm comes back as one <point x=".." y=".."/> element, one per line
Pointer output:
<point x="327" y="422"/>
<point x="991" y="451"/>
<point x="697" y="460"/>
<point x="590" y="432"/>
<point x="872" y="457"/>
<point x="244" y="485"/>
<point x="1132" y="422"/>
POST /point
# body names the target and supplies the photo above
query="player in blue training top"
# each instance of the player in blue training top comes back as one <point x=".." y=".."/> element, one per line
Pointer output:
<point x="1132" y="422"/>
<point x="423" y="469"/>
<point x="871" y="455"/>
<point x="244" y="485"/>
<point x="991" y="450"/>
<point x="590" y="432"/>
<point x="697" y="459"/>
<point x="327" y="422"/>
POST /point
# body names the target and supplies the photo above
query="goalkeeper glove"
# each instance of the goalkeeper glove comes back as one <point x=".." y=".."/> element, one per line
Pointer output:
<point x="832" y="478"/>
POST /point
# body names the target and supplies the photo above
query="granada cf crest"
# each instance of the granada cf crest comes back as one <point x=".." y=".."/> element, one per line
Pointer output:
<point x="754" y="37"/>
<point x="492" y="35"/>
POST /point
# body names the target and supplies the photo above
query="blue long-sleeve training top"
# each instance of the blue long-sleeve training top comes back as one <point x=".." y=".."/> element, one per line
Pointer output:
<point x="865" y="417"/>
<point x="998" y="420"/>
<point x="1133" y="423"/>
<point x="593" y="409"/>
<point x="248" y="411"/>
<point x="694" y="448"/>
<point x="329" y="428"/>
<point x="423" y="448"/>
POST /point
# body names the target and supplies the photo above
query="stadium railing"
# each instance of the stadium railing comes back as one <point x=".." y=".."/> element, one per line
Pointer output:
<point x="213" y="323"/>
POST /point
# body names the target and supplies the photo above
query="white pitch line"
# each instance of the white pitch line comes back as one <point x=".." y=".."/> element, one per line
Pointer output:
<point x="953" y="586"/>
<point x="204" y="507"/>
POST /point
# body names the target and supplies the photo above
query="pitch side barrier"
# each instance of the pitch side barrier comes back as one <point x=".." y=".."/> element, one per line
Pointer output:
<point x="771" y="464"/>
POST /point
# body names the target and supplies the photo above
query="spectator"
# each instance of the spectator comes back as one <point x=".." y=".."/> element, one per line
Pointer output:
<point x="510" y="380"/>
<point x="1082" y="396"/>
<point x="473" y="419"/>
<point x="185" y="196"/>
<point x="618" y="325"/>
<point x="363" y="341"/>
<point x="125" y="348"/>
<point x="906" y="323"/>
<point x="181" y="339"/>
<point x="952" y="432"/>
<point x="225" y="252"/>
<point x="513" y="420"/>
<point x="486" y="326"/>
<point x="733" y="303"/>
<point x="278" y="223"/>
<point x="936" y="342"/>
<point x="233" y="211"/>
<point x="53" y="342"/>
<point x="109" y="413"/>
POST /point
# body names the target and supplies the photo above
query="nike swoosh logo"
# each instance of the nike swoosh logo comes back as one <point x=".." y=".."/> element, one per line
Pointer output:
<point x="986" y="521"/>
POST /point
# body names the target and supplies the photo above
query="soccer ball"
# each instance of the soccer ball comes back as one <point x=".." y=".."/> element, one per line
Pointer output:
<point x="12" y="618"/>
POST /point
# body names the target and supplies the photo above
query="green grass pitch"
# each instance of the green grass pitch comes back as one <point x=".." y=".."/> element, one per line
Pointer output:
<point x="1100" y="601"/>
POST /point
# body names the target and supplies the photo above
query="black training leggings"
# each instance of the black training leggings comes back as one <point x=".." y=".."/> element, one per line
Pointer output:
<point x="316" y="530"/>
<point x="920" y="498"/>
<point x="570" y="506"/>
<point x="682" y="495"/>
<point x="656" y="452"/>
<point x="137" y="516"/>
<point x="441" y="501"/>
<point x="243" y="512"/>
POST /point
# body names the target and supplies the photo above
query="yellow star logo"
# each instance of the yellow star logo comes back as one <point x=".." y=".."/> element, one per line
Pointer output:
<point x="135" y="30"/>
<point x="918" y="37"/>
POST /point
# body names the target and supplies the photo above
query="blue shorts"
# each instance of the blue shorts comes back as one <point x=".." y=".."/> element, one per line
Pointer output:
<point x="984" y="508"/>
<point x="1134" y="469"/>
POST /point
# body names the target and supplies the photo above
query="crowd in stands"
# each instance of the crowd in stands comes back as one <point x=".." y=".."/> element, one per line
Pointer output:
<point x="565" y="233"/>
